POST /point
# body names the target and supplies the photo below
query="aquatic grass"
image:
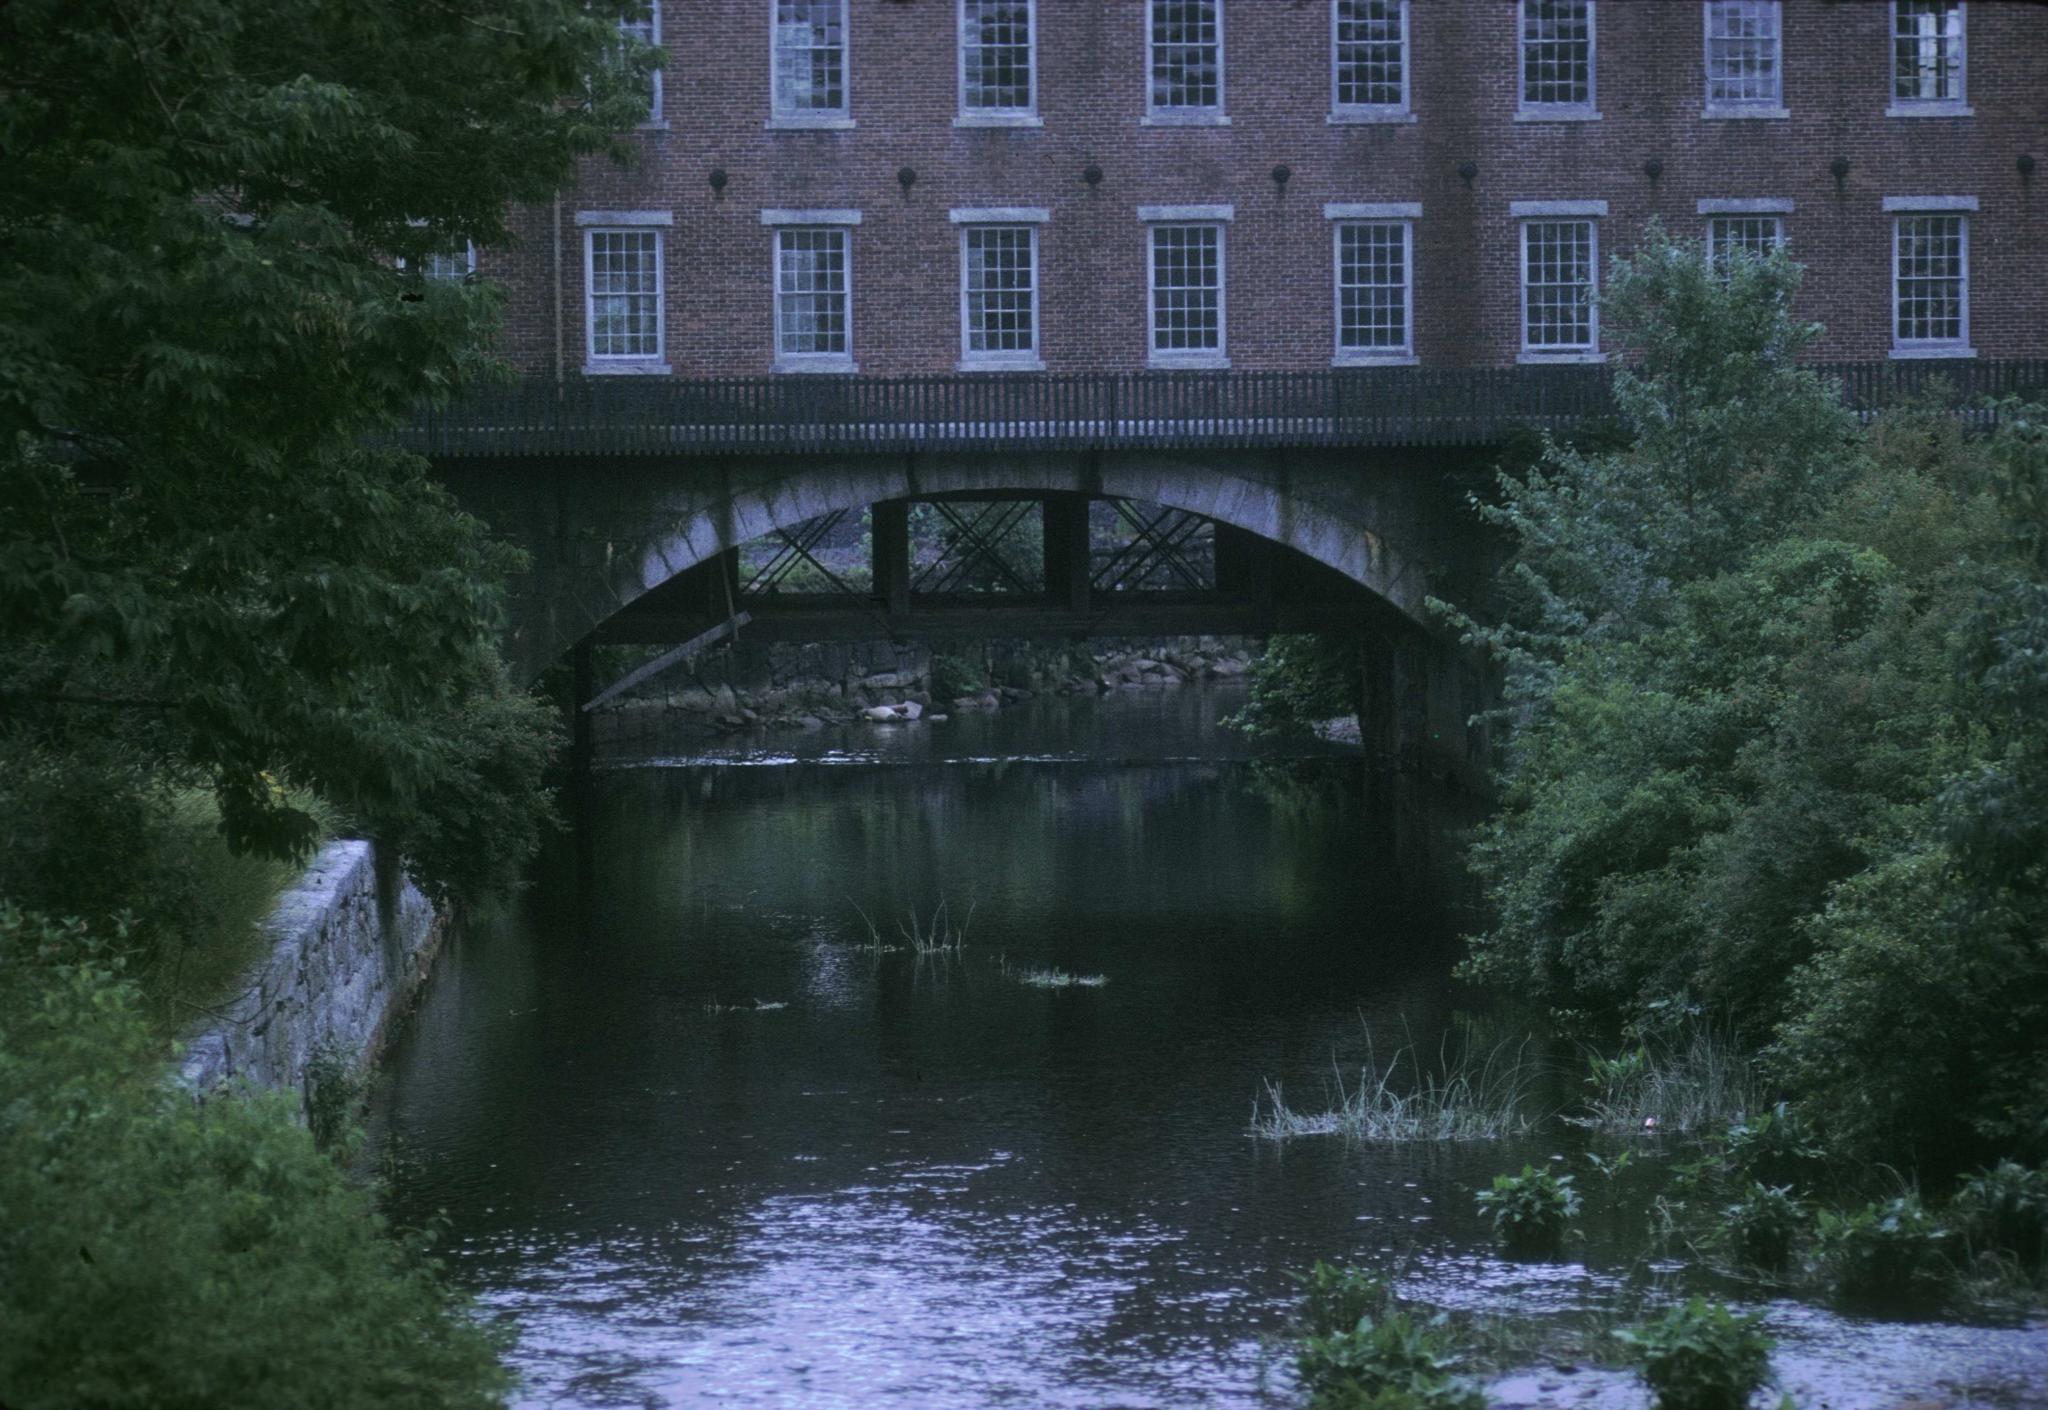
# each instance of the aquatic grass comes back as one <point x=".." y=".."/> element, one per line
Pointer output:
<point x="1466" y="1098"/>
<point x="1059" y="979"/>
<point x="875" y="945"/>
<point x="1693" y="1083"/>
<point x="758" y="1006"/>
<point x="936" y="936"/>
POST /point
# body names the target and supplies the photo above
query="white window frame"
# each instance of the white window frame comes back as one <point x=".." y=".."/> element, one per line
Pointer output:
<point x="1586" y="111"/>
<point x="1217" y="218"/>
<point x="1403" y="111"/>
<point x="1743" y="208"/>
<point x="1909" y="207"/>
<point x="656" y="117"/>
<point x="779" y="222"/>
<point x="1341" y="214"/>
<point x="625" y="222"/>
<point x="468" y="257"/>
<point x="969" y="116"/>
<point x="1956" y="106"/>
<point x="1712" y="107"/>
<point x="810" y="118"/>
<point x="1213" y="116"/>
<point x="1526" y="214"/>
<point x="1027" y="218"/>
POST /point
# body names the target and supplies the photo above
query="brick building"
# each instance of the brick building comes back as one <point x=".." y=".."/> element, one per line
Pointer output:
<point x="900" y="187"/>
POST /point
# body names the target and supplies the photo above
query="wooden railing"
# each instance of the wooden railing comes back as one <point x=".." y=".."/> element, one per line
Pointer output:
<point x="1391" y="406"/>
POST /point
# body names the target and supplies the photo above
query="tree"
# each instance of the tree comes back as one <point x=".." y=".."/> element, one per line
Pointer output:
<point x="215" y="223"/>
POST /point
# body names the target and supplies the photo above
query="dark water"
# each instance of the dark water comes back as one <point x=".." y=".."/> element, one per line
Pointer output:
<point x="703" y="1148"/>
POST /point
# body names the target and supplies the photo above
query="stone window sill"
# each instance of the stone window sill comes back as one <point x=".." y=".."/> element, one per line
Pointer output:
<point x="626" y="367"/>
<point x="1930" y="110"/>
<point x="1171" y="119"/>
<point x="1730" y="112"/>
<point x="1022" y="363"/>
<point x="1908" y="352"/>
<point x="815" y="362"/>
<point x="1354" y="358"/>
<point x="1530" y="357"/>
<point x="1343" y="117"/>
<point x="809" y="122"/>
<point x="999" y="120"/>
<point x="1558" y="114"/>
<point x="1188" y="362"/>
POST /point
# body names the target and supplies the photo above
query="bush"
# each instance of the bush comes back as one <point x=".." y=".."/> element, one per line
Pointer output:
<point x="1761" y="1229"/>
<point x="954" y="676"/>
<point x="163" y="1253"/>
<point x="1388" y="1362"/>
<point x="1335" y="1298"/>
<point x="2005" y="1210"/>
<point x="1533" y="1211"/>
<point x="1775" y="1148"/>
<point x="1700" y="1356"/>
<point x="1296" y="682"/>
<point x="1890" y="1251"/>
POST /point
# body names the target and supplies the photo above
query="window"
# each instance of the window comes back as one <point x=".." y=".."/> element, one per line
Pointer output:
<point x="813" y="300"/>
<point x="1187" y="295"/>
<point x="810" y="63"/>
<point x="1931" y="277"/>
<point x="1368" y="59"/>
<point x="1374" y="259"/>
<point x="450" y="266"/>
<point x="622" y="292"/>
<point x="1184" y="49"/>
<point x="1558" y="287"/>
<point x="1927" y="54"/>
<point x="998" y="291"/>
<point x="998" y="45"/>
<point x="1759" y="234"/>
<point x="1744" y="73"/>
<point x="645" y="26"/>
<point x="1557" y="58"/>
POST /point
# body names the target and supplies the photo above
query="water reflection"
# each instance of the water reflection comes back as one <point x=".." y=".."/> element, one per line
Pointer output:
<point x="917" y="1181"/>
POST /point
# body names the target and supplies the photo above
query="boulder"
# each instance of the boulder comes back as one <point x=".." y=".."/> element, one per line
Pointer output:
<point x="909" y="710"/>
<point x="879" y="714"/>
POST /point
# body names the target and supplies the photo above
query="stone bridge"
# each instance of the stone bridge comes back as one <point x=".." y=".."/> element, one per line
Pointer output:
<point x="1335" y="501"/>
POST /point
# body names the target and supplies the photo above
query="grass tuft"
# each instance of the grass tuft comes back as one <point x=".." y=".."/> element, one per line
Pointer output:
<point x="1457" y="1099"/>
<point x="1697" y="1083"/>
<point x="1060" y="979"/>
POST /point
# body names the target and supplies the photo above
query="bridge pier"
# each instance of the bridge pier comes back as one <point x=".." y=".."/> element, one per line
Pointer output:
<point x="1417" y="697"/>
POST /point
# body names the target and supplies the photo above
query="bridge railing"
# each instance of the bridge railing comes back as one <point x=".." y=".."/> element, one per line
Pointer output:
<point x="1386" y="406"/>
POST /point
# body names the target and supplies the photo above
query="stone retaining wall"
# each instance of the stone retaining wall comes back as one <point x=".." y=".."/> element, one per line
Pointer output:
<point x="348" y="947"/>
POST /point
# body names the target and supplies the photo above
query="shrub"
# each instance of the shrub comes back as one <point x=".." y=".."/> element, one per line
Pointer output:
<point x="954" y="676"/>
<point x="1335" y="1298"/>
<point x="162" y="1253"/>
<point x="1386" y="1362"/>
<point x="1700" y="1356"/>
<point x="1775" y="1148"/>
<point x="1761" y="1229"/>
<point x="1533" y="1211"/>
<point x="1883" y="1251"/>
<point x="2005" y="1210"/>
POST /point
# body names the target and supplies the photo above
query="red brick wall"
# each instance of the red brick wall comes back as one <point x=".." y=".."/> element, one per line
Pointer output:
<point x="1091" y="96"/>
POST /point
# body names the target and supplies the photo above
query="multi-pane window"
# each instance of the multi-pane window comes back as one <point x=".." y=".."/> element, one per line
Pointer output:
<point x="624" y="294"/>
<point x="1187" y="293"/>
<point x="1185" y="47"/>
<point x="1758" y="235"/>
<point x="999" y="294"/>
<point x="813" y="295"/>
<point x="1369" y="56"/>
<point x="810" y="58"/>
<point x="1743" y="60"/>
<point x="449" y="266"/>
<point x="996" y="50"/>
<point x="1557" y="53"/>
<point x="1931" y="281"/>
<point x="1927" y="51"/>
<point x="1372" y="288"/>
<point x="644" y="25"/>
<point x="1557" y="286"/>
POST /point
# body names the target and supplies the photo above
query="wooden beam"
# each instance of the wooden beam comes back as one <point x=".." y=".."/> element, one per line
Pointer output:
<point x="662" y="662"/>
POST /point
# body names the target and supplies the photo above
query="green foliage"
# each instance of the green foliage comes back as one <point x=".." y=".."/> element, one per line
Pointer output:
<point x="1891" y="1250"/>
<point x="1776" y="1146"/>
<point x="1388" y="1361"/>
<point x="954" y="676"/>
<point x="163" y="1253"/>
<point x="1336" y="1298"/>
<point x="1296" y="682"/>
<point x="1700" y="1356"/>
<point x="1761" y="1230"/>
<point x="2004" y="1210"/>
<point x="206" y="563"/>
<point x="1532" y="1212"/>
<point x="1780" y="727"/>
<point x="333" y="1091"/>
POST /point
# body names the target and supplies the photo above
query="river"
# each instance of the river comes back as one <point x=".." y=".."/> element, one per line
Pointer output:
<point x="701" y="1141"/>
